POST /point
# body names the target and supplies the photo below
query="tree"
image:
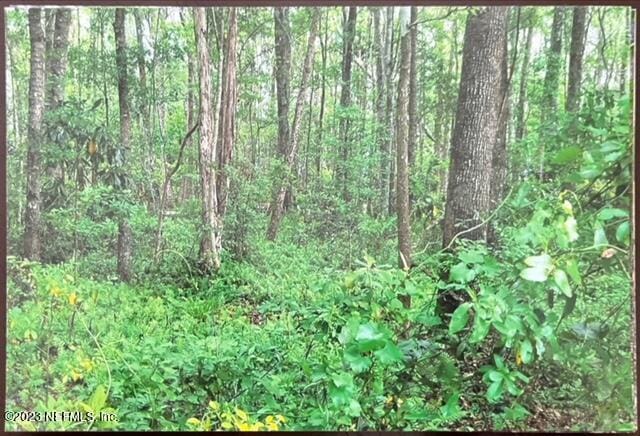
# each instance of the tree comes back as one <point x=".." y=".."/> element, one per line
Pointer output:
<point x="552" y="80"/>
<point x="277" y="203"/>
<point x="211" y="240"/>
<point x="402" y="140"/>
<point x="476" y="131"/>
<point x="57" y="58"/>
<point x="576" y="53"/>
<point x="477" y="125"/>
<point x="32" y="248"/>
<point x="413" y="86"/>
<point x="124" y="230"/>
<point x="522" y="93"/>
<point x="348" y="36"/>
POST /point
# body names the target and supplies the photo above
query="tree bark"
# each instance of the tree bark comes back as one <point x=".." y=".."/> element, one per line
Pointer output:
<point x="348" y="36"/>
<point x="552" y="80"/>
<point x="413" y="87"/>
<point x="277" y="204"/>
<point x="211" y="241"/>
<point x="227" y="118"/>
<point x="57" y="58"/>
<point x="124" y="230"/>
<point x="522" y="92"/>
<point x="402" y="140"/>
<point x="578" y="33"/>
<point x="32" y="247"/>
<point x="476" y="126"/>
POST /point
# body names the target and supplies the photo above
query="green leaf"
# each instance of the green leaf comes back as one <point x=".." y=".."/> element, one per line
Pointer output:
<point x="541" y="261"/>
<point x="610" y="213"/>
<point x="98" y="399"/>
<point x="356" y="361"/>
<point x="534" y="274"/>
<point x="494" y="393"/>
<point x="599" y="237"/>
<point x="561" y="279"/>
<point x="526" y="351"/>
<point x="459" y="318"/>
<point x="573" y="271"/>
<point x="390" y="354"/>
<point x="369" y="338"/>
<point x="480" y="330"/>
<point x="622" y="233"/>
<point x="461" y="273"/>
<point x="571" y="227"/>
<point x="566" y="155"/>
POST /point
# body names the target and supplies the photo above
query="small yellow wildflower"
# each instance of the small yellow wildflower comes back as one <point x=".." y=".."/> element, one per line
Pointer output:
<point x="87" y="364"/>
<point x="73" y="299"/>
<point x="56" y="291"/>
<point x="281" y="418"/>
<point x="242" y="414"/>
<point x="76" y="375"/>
<point x="518" y="358"/>
<point x="193" y="421"/>
<point x="243" y="426"/>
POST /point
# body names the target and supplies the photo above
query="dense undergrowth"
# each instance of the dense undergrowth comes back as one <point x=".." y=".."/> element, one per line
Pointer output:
<point x="289" y="341"/>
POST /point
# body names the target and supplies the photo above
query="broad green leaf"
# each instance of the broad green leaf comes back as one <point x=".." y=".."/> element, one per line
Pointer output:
<point x="536" y="274"/>
<point x="571" y="227"/>
<point x="369" y="338"/>
<point x="494" y="393"/>
<point x="480" y="330"/>
<point x="599" y="237"/>
<point x="561" y="279"/>
<point x="573" y="271"/>
<point x="461" y="273"/>
<point x="622" y="233"/>
<point x="459" y="318"/>
<point x="610" y="213"/>
<point x="390" y="354"/>
<point x="495" y="376"/>
<point x="566" y="155"/>
<point x="356" y="361"/>
<point x="542" y="261"/>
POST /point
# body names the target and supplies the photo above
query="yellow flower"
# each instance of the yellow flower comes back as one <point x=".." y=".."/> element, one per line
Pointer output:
<point x="256" y="427"/>
<point x="271" y="424"/>
<point x="87" y="364"/>
<point x="215" y="406"/>
<point x="242" y="414"/>
<point x="73" y="298"/>
<point x="400" y="401"/>
<point x="518" y="358"/>
<point x="75" y="375"/>
<point x="243" y="426"/>
<point x="56" y="291"/>
<point x="193" y="421"/>
<point x="281" y="418"/>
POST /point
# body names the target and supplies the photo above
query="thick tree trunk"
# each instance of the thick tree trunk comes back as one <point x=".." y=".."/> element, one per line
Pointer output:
<point x="282" y="32"/>
<point x="277" y="204"/>
<point x="211" y="241"/>
<point x="476" y="126"/>
<point x="57" y="58"/>
<point x="124" y="230"/>
<point x="381" y="116"/>
<point x="348" y="37"/>
<point x="402" y="140"/>
<point x="32" y="248"/>
<point x="578" y="33"/>
<point x="476" y="131"/>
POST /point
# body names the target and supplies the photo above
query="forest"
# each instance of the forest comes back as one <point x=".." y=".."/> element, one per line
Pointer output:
<point x="320" y="218"/>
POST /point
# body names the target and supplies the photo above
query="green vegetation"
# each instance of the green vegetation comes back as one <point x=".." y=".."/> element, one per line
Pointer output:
<point x="318" y="324"/>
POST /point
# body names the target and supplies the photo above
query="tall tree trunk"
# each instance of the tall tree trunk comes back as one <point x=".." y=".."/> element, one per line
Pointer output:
<point x="32" y="248"/>
<point x="57" y="58"/>
<point x="578" y="33"/>
<point x="499" y="161"/>
<point x="413" y="87"/>
<point x="277" y="205"/>
<point x="476" y="131"/>
<point x="227" y="118"/>
<point x="124" y="230"/>
<point x="522" y="92"/>
<point x="211" y="241"/>
<point x="552" y="80"/>
<point x="389" y="43"/>
<point x="381" y="116"/>
<point x="348" y="36"/>
<point x="402" y="140"/>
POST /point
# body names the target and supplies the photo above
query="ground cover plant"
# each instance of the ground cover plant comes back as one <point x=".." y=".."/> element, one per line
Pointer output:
<point x="335" y="218"/>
